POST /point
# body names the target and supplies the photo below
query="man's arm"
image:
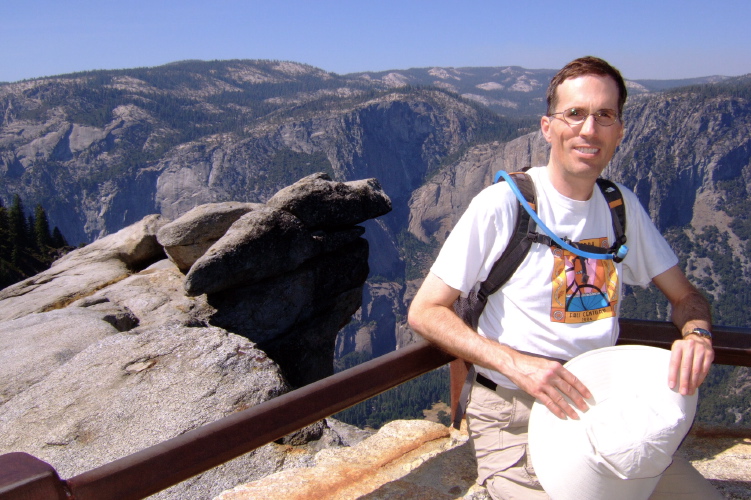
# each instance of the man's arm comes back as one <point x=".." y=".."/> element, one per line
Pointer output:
<point x="691" y="356"/>
<point x="432" y="315"/>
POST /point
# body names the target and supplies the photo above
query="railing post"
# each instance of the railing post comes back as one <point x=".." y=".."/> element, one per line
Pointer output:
<point x="24" y="477"/>
<point x="458" y="371"/>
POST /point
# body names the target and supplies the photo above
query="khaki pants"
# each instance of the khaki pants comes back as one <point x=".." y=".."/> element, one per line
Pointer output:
<point x="497" y="422"/>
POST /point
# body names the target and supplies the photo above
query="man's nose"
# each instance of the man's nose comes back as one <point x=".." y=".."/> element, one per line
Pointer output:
<point x="589" y="126"/>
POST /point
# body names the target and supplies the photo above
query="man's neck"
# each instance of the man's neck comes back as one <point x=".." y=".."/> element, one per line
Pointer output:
<point x="570" y="186"/>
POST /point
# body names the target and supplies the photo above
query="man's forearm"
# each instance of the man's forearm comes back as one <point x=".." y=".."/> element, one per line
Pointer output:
<point x="441" y="326"/>
<point x="691" y="312"/>
<point x="690" y="309"/>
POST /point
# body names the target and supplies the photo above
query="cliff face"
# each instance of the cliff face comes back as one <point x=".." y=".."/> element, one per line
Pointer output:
<point x="437" y="205"/>
<point x="395" y="138"/>
<point x="678" y="149"/>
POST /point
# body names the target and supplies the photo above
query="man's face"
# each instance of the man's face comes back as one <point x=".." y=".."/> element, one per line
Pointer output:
<point x="581" y="152"/>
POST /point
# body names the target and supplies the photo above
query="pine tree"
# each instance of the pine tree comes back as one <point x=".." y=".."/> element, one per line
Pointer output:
<point x="5" y="246"/>
<point x="31" y="242"/>
<point x="58" y="240"/>
<point x="25" y="242"/>
<point x="41" y="228"/>
<point x="17" y="223"/>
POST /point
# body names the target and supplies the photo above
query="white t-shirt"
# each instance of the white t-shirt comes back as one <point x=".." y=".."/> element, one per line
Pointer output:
<point x="556" y="304"/>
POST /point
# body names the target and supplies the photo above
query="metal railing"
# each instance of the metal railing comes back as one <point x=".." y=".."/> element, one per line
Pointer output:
<point x="153" y="469"/>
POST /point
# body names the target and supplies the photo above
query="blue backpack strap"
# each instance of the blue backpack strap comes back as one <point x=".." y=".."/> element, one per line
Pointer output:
<point x="616" y="252"/>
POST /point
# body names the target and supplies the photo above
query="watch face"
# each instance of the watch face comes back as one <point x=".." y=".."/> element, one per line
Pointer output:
<point x="702" y="332"/>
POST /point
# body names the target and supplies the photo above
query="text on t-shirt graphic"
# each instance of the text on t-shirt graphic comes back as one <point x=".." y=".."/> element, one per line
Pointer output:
<point x="584" y="290"/>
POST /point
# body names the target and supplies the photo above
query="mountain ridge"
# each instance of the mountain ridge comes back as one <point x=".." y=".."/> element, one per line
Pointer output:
<point x="492" y="86"/>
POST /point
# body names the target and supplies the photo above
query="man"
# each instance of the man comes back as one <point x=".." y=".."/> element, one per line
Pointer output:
<point x="540" y="317"/>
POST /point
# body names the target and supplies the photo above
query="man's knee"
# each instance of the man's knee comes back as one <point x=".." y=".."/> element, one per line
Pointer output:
<point x="516" y="483"/>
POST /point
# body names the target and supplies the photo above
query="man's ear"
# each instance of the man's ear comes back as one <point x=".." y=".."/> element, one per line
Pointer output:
<point x="545" y="127"/>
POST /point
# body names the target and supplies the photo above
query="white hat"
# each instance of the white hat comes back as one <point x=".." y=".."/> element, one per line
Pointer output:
<point x="623" y="443"/>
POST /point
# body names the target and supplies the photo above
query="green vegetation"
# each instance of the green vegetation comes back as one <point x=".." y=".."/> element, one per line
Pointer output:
<point x="287" y="167"/>
<point x="739" y="87"/>
<point x="26" y="245"/>
<point x="737" y="204"/>
<point x="186" y="111"/>
<point x="181" y="107"/>
<point x="640" y="303"/>
<point x="417" y="256"/>
<point x="721" y="278"/>
<point x="718" y="406"/>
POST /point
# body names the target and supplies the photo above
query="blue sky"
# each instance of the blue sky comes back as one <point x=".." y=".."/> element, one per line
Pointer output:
<point x="658" y="39"/>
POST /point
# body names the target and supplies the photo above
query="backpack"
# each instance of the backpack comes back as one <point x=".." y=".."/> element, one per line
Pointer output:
<point x="470" y="308"/>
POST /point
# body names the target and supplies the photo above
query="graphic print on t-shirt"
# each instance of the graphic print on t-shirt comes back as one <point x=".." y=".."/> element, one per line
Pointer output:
<point x="584" y="289"/>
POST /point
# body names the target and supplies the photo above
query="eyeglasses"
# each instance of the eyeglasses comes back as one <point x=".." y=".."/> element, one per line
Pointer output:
<point x="577" y="116"/>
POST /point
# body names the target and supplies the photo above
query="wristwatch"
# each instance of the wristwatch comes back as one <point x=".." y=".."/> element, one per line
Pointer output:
<point x="701" y="332"/>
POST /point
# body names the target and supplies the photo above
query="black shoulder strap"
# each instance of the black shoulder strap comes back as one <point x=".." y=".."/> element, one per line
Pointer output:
<point x="617" y="210"/>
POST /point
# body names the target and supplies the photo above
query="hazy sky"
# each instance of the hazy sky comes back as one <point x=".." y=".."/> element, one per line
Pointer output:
<point x="658" y="39"/>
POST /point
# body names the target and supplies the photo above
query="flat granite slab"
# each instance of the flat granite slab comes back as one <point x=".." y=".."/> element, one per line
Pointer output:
<point x="418" y="459"/>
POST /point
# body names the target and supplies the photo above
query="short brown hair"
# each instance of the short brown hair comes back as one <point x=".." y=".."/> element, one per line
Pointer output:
<point x="588" y="65"/>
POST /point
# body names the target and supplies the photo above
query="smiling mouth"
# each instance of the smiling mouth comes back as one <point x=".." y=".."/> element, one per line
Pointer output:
<point x="588" y="151"/>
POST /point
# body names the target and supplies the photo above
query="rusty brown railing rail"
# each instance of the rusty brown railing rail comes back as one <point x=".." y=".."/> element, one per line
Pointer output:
<point x="170" y="462"/>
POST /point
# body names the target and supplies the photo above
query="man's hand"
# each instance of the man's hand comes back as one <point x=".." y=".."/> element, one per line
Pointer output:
<point x="692" y="356"/>
<point x="548" y="381"/>
<point x="690" y="361"/>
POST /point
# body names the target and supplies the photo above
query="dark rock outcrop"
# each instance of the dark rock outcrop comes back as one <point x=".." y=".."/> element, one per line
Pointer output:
<point x="290" y="282"/>
<point x="322" y="204"/>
